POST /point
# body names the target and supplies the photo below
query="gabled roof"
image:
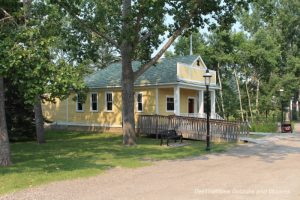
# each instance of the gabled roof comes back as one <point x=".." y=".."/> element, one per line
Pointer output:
<point x="165" y="71"/>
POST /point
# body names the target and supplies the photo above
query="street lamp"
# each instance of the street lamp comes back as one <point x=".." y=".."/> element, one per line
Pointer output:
<point x="281" y="93"/>
<point x="207" y="76"/>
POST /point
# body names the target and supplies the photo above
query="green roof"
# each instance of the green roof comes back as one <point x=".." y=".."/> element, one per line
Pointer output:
<point x="165" y="71"/>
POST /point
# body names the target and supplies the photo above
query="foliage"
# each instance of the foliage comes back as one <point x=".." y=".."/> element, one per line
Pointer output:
<point x="19" y="115"/>
<point x="265" y="127"/>
<point x="135" y="29"/>
<point x="69" y="155"/>
<point x="31" y="59"/>
<point x="264" y="52"/>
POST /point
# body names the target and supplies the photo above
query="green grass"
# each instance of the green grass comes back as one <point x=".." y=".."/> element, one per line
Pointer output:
<point x="68" y="155"/>
<point x="265" y="127"/>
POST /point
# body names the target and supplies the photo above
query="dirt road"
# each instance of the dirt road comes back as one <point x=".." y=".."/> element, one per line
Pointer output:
<point x="269" y="169"/>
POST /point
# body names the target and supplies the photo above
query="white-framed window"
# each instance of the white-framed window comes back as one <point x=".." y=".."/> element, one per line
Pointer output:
<point x="170" y="104"/>
<point x="108" y="101"/>
<point x="139" y="102"/>
<point x="94" y="102"/>
<point x="79" y="104"/>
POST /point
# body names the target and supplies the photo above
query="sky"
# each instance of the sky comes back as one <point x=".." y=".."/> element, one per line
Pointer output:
<point x="236" y="28"/>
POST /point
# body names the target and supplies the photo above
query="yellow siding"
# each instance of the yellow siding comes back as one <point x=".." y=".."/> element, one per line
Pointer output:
<point x="183" y="71"/>
<point x="194" y="73"/>
<point x="57" y="112"/>
<point x="184" y="95"/>
<point x="162" y="100"/>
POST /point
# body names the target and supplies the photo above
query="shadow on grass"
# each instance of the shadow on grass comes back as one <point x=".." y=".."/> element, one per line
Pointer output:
<point x="67" y="151"/>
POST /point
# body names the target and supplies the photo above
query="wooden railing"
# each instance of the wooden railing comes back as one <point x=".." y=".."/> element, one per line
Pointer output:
<point x="192" y="127"/>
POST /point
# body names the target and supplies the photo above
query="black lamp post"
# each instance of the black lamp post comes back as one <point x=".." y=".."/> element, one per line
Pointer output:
<point x="281" y="93"/>
<point x="207" y="77"/>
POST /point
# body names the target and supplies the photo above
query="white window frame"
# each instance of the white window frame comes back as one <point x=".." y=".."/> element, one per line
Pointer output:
<point x="137" y="103"/>
<point x="167" y="104"/>
<point x="82" y="104"/>
<point x="91" y="102"/>
<point x="112" y="101"/>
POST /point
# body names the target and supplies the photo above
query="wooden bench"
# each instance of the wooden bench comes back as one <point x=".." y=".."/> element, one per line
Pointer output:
<point x="170" y="134"/>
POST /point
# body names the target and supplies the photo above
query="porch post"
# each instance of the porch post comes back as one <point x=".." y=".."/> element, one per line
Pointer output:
<point x="201" y="102"/>
<point x="176" y="100"/>
<point x="156" y="102"/>
<point x="213" y="102"/>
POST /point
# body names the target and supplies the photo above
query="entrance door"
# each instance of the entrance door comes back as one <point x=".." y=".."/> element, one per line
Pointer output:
<point x="191" y="105"/>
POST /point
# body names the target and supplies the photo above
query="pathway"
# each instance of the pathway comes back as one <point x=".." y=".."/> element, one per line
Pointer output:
<point x="268" y="169"/>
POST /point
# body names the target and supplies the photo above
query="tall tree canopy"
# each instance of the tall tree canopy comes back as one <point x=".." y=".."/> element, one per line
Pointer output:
<point x="136" y="28"/>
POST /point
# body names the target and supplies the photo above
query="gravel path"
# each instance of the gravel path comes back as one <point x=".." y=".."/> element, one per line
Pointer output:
<point x="268" y="169"/>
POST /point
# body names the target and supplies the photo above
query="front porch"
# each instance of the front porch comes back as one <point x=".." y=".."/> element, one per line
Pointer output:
<point x="183" y="100"/>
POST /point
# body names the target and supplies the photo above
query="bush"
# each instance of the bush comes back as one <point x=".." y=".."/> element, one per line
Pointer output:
<point x="265" y="127"/>
<point x="19" y="115"/>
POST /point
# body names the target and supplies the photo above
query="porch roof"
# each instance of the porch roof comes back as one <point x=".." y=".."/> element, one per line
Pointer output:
<point x="164" y="72"/>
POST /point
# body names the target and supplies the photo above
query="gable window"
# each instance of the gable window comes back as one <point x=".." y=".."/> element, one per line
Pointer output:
<point x="170" y="103"/>
<point x="79" y="104"/>
<point x="94" y="102"/>
<point x="139" y="100"/>
<point x="109" y="101"/>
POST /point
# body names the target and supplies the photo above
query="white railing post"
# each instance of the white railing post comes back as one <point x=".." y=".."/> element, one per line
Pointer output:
<point x="176" y="100"/>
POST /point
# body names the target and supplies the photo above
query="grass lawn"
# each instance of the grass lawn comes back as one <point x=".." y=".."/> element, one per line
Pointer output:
<point x="68" y="155"/>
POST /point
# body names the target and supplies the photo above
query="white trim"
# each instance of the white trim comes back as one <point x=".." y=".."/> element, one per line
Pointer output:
<point x="201" y="101"/>
<point x="142" y="85"/>
<point x="194" y="98"/>
<point x="67" y="109"/>
<point x="156" y="101"/>
<point x="91" y="106"/>
<point x="212" y="102"/>
<point x="199" y="57"/>
<point x="163" y="85"/>
<point x="137" y="103"/>
<point x="82" y="104"/>
<point x="197" y="87"/>
<point x="177" y="100"/>
<point x="193" y="81"/>
<point x="168" y="96"/>
<point x="112" y="101"/>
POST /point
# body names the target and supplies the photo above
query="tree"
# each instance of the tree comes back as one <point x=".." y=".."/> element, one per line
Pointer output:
<point x="6" y="25"/>
<point x="135" y="29"/>
<point x="182" y="46"/>
<point x="33" y="60"/>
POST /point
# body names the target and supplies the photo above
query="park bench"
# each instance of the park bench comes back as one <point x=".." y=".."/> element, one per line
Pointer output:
<point x="170" y="134"/>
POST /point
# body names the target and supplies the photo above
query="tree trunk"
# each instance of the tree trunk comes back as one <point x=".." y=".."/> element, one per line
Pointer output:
<point x="248" y="96"/>
<point x="257" y="97"/>
<point x="239" y="93"/>
<point x="4" y="141"/>
<point x="39" y="121"/>
<point x="221" y="90"/>
<point x="129" y="137"/>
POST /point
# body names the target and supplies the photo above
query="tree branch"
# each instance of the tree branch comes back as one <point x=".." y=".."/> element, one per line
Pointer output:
<point x="7" y="16"/>
<point x="92" y="29"/>
<point x="146" y="66"/>
<point x="100" y="34"/>
<point x="145" y="37"/>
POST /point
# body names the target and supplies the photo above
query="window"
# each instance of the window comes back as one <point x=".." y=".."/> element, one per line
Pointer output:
<point x="170" y="103"/>
<point x="139" y="101"/>
<point x="109" y="101"/>
<point x="94" y="102"/>
<point x="79" y="104"/>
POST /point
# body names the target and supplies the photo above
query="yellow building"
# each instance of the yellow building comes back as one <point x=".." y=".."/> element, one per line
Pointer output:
<point x="172" y="86"/>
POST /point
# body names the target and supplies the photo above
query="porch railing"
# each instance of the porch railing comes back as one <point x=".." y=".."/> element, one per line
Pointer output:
<point x="202" y="115"/>
<point x="192" y="127"/>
